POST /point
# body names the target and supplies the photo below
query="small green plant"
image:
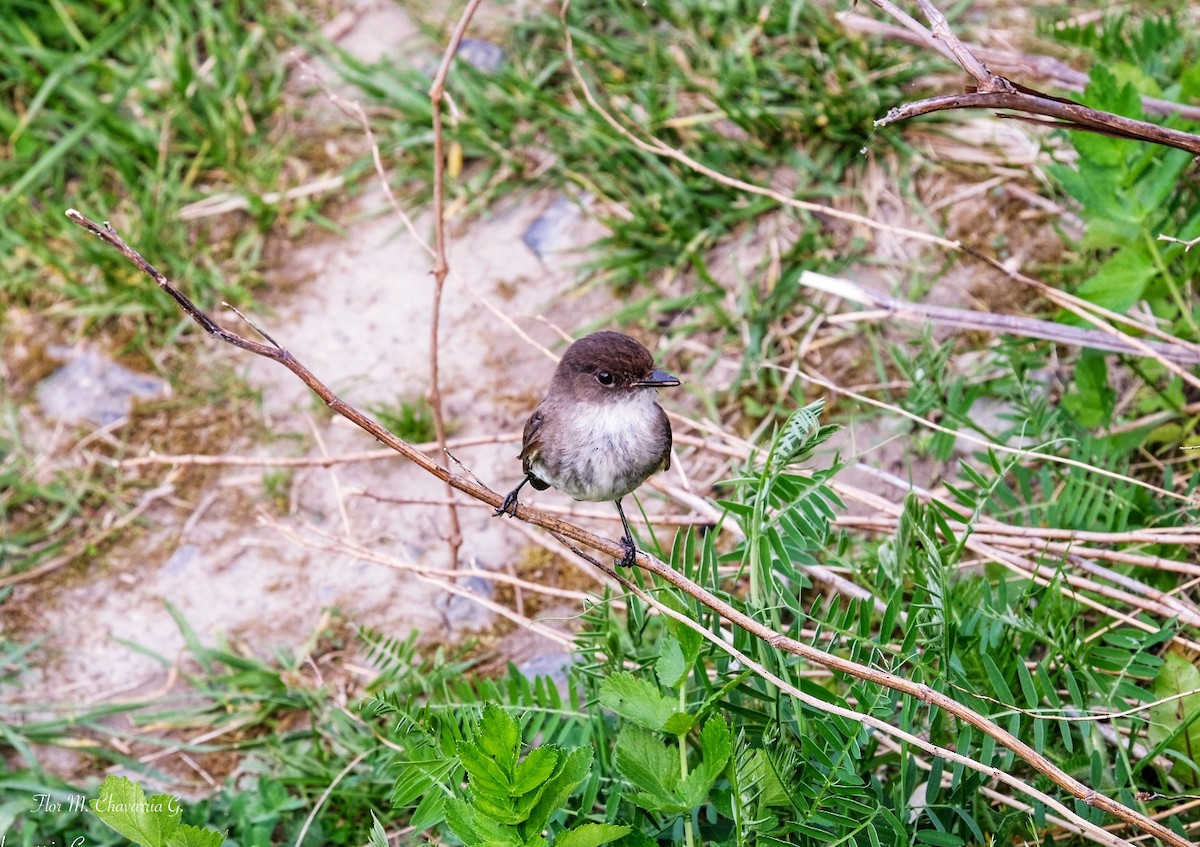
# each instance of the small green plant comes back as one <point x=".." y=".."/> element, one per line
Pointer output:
<point x="277" y="485"/>
<point x="663" y="781"/>
<point x="1174" y="726"/>
<point x="508" y="799"/>
<point x="785" y="515"/>
<point x="1129" y="193"/>
<point x="148" y="821"/>
<point x="410" y="419"/>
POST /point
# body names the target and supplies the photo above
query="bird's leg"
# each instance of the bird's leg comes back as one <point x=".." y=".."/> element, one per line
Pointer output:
<point x="631" y="549"/>
<point x="509" y="506"/>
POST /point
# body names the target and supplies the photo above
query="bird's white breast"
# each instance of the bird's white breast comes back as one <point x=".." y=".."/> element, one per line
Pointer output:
<point x="609" y="449"/>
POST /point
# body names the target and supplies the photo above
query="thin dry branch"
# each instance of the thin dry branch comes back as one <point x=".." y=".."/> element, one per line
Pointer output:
<point x="1039" y="539"/>
<point x="441" y="266"/>
<point x="992" y="91"/>
<point x="1058" y="74"/>
<point x="563" y="529"/>
<point x="1187" y="245"/>
<point x="230" y="460"/>
<point x="448" y="580"/>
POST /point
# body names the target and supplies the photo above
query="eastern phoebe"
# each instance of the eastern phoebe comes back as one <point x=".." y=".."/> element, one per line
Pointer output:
<point x="599" y="433"/>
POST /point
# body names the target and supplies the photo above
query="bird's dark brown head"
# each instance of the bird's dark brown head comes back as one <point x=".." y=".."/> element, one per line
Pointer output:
<point x="603" y="363"/>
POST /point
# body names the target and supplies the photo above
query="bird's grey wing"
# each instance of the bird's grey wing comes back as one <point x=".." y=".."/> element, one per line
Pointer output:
<point x="531" y="444"/>
<point x="670" y="438"/>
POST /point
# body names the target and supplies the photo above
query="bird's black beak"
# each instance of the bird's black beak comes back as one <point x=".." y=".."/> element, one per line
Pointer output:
<point x="657" y="379"/>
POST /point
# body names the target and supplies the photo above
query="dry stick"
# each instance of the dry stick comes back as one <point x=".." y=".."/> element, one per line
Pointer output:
<point x="1033" y="574"/>
<point x="1070" y="115"/>
<point x="1187" y="245"/>
<point x="1155" y="605"/>
<point x="1045" y="714"/>
<point x="1085" y="310"/>
<point x="980" y="541"/>
<point x="1059" y="333"/>
<point x="1167" y="599"/>
<point x="441" y="267"/>
<point x="204" y="459"/>
<point x="988" y="545"/>
<point x="997" y="796"/>
<point x="983" y="532"/>
<point x="1181" y="535"/>
<point x="278" y="354"/>
<point x="992" y="91"/>
<point x="1058" y="74"/>
<point x="353" y="109"/>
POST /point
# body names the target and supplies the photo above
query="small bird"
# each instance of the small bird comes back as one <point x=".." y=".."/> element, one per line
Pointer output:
<point x="599" y="432"/>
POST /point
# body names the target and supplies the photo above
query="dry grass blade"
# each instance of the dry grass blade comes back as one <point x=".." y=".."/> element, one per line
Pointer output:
<point x="1177" y="352"/>
<point x="999" y="448"/>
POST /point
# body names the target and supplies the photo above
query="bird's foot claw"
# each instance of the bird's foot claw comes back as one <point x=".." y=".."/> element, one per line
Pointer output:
<point x="508" y="507"/>
<point x="630" y="557"/>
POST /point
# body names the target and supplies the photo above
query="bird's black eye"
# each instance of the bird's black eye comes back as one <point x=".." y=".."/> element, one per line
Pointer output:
<point x="604" y="378"/>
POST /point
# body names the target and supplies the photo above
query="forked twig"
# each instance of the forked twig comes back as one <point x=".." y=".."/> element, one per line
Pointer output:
<point x="992" y="91"/>
<point x="1059" y="74"/>
<point x="777" y="640"/>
